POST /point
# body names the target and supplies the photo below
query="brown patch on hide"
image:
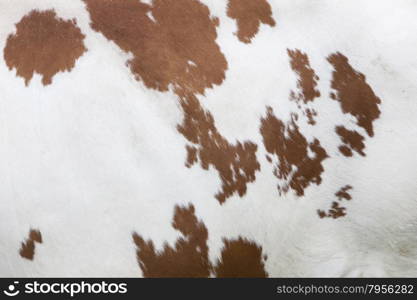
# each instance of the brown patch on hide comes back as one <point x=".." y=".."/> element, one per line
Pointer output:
<point x="45" y="44"/>
<point x="188" y="258"/>
<point x="27" y="249"/>
<point x="173" y="42"/>
<point x="356" y="97"/>
<point x="337" y="211"/>
<point x="295" y="166"/>
<point x="343" y="193"/>
<point x="191" y="156"/>
<point x="249" y="14"/>
<point x="352" y="140"/>
<point x="307" y="78"/>
<point x="310" y="114"/>
<point x="236" y="164"/>
<point x="240" y="258"/>
<point x="306" y="83"/>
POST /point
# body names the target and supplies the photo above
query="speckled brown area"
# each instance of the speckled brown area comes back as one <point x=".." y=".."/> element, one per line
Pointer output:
<point x="295" y="166"/>
<point x="306" y="83"/>
<point x="43" y="44"/>
<point x="307" y="78"/>
<point x="343" y="193"/>
<point x="236" y="163"/>
<point x="336" y="210"/>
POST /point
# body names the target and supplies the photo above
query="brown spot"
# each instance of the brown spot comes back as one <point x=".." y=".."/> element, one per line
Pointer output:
<point x="356" y="97"/>
<point x="249" y="14"/>
<point x="337" y="211"/>
<point x="191" y="156"/>
<point x="307" y="78"/>
<point x="236" y="164"/>
<point x="240" y="258"/>
<point x="306" y="83"/>
<point x="322" y="214"/>
<point x="295" y="166"/>
<point x="189" y="257"/>
<point x="45" y="44"/>
<point x="27" y="249"/>
<point x="343" y="193"/>
<point x="173" y="42"/>
<point x="310" y="114"/>
<point x="345" y="150"/>
<point x="352" y="141"/>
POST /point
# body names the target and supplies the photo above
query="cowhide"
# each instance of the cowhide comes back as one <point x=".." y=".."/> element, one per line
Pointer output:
<point x="203" y="138"/>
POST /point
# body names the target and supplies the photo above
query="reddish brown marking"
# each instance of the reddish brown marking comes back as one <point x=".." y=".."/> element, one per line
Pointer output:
<point x="337" y="211"/>
<point x="343" y="193"/>
<point x="189" y="257"/>
<point x="240" y="258"/>
<point x="178" y="48"/>
<point x="322" y="214"/>
<point x="291" y="147"/>
<point x="249" y="14"/>
<point x="45" y="44"/>
<point x="310" y="114"/>
<point x="345" y="150"/>
<point x="356" y="97"/>
<point x="27" y="249"/>
<point x="352" y="140"/>
<point x="191" y="156"/>
<point x="306" y="83"/>
<point x="307" y="78"/>
<point x="236" y="164"/>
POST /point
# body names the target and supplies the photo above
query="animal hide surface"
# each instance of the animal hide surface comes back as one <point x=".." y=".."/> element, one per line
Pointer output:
<point x="202" y="138"/>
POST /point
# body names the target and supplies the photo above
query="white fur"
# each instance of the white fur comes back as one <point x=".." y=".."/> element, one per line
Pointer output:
<point x="96" y="155"/>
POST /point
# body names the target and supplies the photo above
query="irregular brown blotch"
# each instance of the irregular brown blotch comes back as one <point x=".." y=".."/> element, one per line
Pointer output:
<point x="27" y="249"/>
<point x="356" y="97"/>
<point x="306" y="83"/>
<point x="240" y="258"/>
<point x="249" y="14"/>
<point x="310" y="114"/>
<point x="173" y="42"/>
<point x="191" y="156"/>
<point x="345" y="150"/>
<point x="307" y="78"/>
<point x="45" y="44"/>
<point x="295" y="166"/>
<point x="189" y="257"/>
<point x="352" y="140"/>
<point x="343" y="193"/>
<point x="337" y="211"/>
<point x="236" y="164"/>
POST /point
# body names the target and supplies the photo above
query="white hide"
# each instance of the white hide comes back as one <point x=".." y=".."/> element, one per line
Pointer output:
<point x="96" y="155"/>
